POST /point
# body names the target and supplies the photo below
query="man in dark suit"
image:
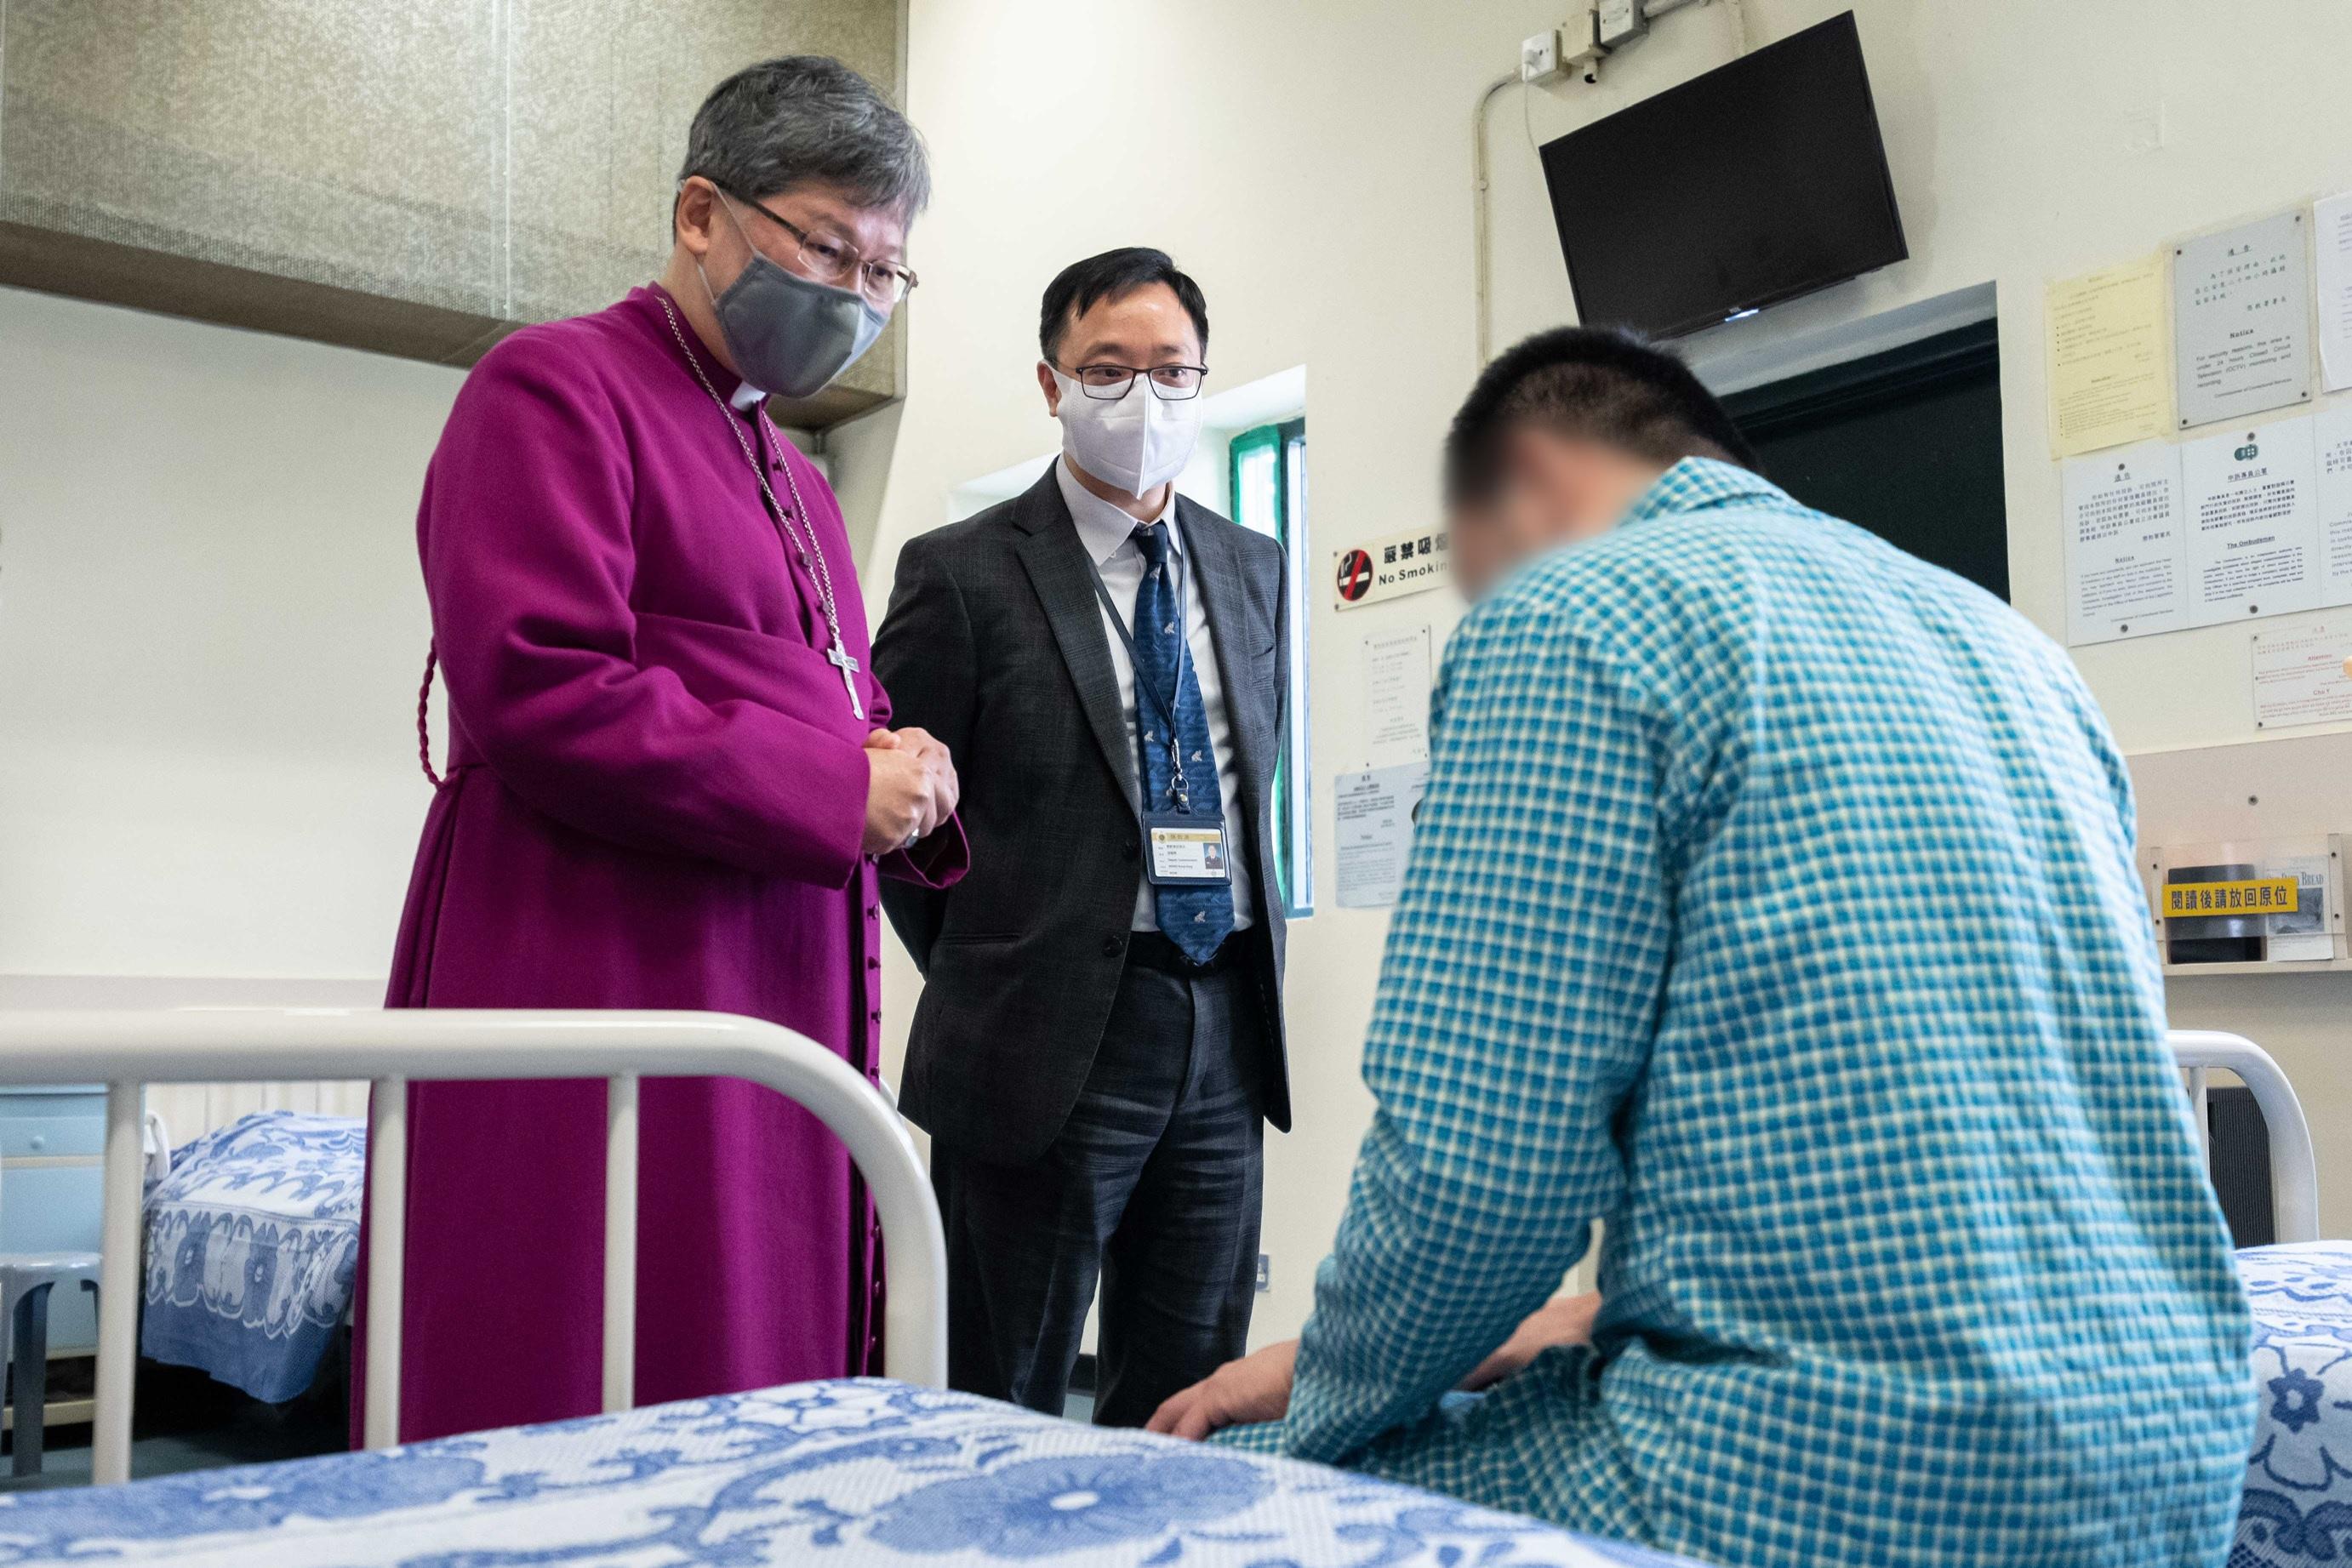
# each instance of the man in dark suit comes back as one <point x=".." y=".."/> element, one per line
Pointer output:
<point x="1100" y="1036"/>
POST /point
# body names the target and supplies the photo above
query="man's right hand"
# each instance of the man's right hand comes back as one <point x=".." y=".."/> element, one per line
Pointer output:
<point x="904" y="793"/>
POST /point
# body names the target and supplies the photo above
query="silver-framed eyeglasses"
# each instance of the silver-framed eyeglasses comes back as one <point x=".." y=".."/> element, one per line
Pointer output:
<point x="827" y="258"/>
<point x="1170" y="384"/>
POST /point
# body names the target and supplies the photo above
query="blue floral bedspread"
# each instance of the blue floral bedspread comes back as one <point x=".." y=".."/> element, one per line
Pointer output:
<point x="252" y="1244"/>
<point x="848" y="1474"/>
<point x="2298" y="1502"/>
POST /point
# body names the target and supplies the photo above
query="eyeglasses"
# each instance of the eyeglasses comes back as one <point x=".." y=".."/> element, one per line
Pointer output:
<point x="830" y="260"/>
<point x="1170" y="384"/>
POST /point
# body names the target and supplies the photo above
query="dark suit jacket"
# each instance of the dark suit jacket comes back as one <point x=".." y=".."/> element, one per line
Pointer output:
<point x="994" y="643"/>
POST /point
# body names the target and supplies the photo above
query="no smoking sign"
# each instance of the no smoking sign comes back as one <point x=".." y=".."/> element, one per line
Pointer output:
<point x="1388" y="568"/>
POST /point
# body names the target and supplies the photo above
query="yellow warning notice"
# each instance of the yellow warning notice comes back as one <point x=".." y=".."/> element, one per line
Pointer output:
<point x="2263" y="895"/>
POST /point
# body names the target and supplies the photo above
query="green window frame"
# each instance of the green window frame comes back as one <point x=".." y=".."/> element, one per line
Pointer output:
<point x="1269" y="487"/>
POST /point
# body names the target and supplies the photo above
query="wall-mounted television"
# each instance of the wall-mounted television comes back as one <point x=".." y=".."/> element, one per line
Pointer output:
<point x="1760" y="181"/>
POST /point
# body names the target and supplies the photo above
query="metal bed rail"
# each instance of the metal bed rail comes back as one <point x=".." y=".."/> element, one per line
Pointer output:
<point x="2294" y="1174"/>
<point x="128" y="1050"/>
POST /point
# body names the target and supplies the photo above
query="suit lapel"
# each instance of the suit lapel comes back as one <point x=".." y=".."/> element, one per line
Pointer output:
<point x="1225" y="596"/>
<point x="1058" y="569"/>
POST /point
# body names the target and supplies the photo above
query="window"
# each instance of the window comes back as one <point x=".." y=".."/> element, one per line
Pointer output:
<point x="1269" y="496"/>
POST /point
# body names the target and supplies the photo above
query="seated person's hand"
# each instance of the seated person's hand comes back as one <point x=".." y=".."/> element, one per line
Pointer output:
<point x="1255" y="1388"/>
<point x="1563" y="1320"/>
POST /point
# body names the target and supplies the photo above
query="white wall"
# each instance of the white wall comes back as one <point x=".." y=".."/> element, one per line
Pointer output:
<point x="211" y="633"/>
<point x="211" y="625"/>
<point x="1311" y="166"/>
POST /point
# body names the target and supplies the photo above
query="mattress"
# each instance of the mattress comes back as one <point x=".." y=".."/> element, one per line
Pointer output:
<point x="2299" y="1499"/>
<point x="855" y="1473"/>
<point x="252" y="1248"/>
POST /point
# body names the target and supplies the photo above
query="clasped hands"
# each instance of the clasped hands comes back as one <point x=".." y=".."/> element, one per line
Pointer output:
<point x="910" y="788"/>
<point x="1257" y="1387"/>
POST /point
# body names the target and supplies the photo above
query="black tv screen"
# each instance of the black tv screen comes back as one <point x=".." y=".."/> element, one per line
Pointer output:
<point x="1760" y="181"/>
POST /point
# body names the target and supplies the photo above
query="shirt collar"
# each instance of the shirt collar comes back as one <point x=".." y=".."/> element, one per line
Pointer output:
<point x="645" y="302"/>
<point x="1103" y="528"/>
<point x="1696" y="482"/>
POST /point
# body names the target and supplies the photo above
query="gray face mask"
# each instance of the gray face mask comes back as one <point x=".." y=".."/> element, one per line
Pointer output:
<point x="789" y="335"/>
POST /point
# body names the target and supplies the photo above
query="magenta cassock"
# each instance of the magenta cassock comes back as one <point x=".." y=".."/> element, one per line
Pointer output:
<point x="655" y="799"/>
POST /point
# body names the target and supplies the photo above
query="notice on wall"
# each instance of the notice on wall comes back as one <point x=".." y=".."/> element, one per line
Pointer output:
<point x="2110" y="375"/>
<point x="2300" y="934"/>
<point x="2303" y="674"/>
<point x="1390" y="567"/>
<point x="1378" y="806"/>
<point x="2331" y="439"/>
<point x="2127" y="548"/>
<point x="2242" y="322"/>
<point x="2332" y="280"/>
<point x="1396" y="696"/>
<point x="2247" y="496"/>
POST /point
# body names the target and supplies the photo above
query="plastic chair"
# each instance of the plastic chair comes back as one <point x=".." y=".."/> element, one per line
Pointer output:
<point x="25" y="1281"/>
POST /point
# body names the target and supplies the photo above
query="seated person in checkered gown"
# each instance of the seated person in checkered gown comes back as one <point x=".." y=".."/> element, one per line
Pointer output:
<point x="1773" y="901"/>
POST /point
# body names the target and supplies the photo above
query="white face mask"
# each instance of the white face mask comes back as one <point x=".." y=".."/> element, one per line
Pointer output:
<point x="1138" y="444"/>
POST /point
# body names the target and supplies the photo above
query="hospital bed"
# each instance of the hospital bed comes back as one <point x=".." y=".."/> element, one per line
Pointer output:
<point x="252" y="1246"/>
<point x="855" y="1472"/>
<point x="2296" y="1510"/>
<point x="252" y="1232"/>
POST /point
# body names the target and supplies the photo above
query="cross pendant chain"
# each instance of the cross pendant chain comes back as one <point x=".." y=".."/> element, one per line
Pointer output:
<point x="838" y="657"/>
<point x="838" y="654"/>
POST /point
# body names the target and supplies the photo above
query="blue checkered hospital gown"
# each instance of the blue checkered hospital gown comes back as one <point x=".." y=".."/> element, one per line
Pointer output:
<point x="1773" y="899"/>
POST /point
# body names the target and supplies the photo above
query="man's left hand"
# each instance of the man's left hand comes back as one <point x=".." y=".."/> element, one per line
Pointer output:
<point x="1562" y="1320"/>
<point x="1255" y="1388"/>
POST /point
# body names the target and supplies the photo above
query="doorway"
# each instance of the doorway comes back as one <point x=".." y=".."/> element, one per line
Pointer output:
<point x="1905" y="442"/>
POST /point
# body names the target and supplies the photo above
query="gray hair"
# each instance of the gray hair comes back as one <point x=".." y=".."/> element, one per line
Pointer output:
<point x="807" y="117"/>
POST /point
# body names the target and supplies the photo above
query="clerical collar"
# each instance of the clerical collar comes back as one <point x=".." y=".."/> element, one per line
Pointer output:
<point x="1104" y="527"/>
<point x="747" y="398"/>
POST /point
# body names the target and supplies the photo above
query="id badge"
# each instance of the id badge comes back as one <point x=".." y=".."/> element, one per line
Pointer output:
<point x="1185" y="851"/>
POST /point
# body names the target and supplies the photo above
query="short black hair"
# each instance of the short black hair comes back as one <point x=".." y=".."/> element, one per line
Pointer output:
<point x="807" y="117"/>
<point x="1598" y="385"/>
<point x="1114" y="275"/>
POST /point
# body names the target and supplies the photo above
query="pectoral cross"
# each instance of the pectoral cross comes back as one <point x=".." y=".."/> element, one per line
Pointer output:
<point x="838" y="657"/>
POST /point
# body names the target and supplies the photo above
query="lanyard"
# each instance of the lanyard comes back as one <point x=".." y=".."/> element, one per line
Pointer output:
<point x="1177" y="789"/>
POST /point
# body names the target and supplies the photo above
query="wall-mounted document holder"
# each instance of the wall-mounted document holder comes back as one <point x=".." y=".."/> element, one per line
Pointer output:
<point x="2249" y="906"/>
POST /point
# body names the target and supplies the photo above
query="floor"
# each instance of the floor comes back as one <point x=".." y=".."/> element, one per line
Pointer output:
<point x="187" y="1422"/>
<point x="161" y="1456"/>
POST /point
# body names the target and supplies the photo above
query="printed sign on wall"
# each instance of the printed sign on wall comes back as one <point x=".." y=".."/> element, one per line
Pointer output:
<point x="2126" y="551"/>
<point x="1389" y="567"/>
<point x="1377" y="811"/>
<point x="2242" y="322"/>
<point x="2253" y="522"/>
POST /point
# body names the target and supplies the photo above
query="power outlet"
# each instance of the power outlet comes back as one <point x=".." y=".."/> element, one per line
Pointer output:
<point x="1264" y="1273"/>
<point x="1539" y="55"/>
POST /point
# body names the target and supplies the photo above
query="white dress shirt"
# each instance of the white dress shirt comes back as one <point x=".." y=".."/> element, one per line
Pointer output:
<point x="1104" y="530"/>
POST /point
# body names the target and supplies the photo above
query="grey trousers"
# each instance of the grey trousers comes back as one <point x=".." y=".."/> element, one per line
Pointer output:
<point x="1152" y="1188"/>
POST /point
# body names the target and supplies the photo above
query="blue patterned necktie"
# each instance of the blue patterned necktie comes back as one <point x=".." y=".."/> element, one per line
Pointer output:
<point x="1198" y="917"/>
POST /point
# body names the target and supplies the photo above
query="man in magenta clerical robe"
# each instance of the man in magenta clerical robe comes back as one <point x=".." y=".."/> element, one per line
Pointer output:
<point x="671" y="783"/>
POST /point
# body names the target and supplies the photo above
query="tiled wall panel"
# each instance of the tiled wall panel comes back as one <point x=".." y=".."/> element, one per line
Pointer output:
<point x="420" y="177"/>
